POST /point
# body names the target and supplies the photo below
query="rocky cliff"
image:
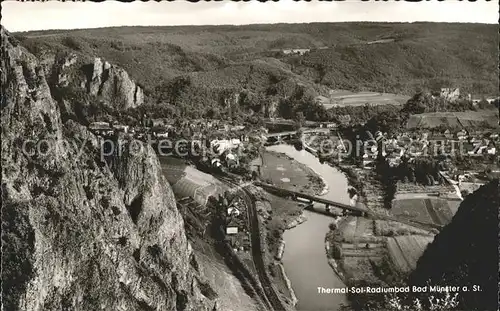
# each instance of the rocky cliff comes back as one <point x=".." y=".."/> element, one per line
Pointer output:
<point x="113" y="84"/>
<point x="93" y="76"/>
<point x="77" y="233"/>
<point x="465" y="252"/>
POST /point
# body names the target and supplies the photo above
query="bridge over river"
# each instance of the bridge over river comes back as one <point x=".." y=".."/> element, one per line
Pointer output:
<point x="356" y="210"/>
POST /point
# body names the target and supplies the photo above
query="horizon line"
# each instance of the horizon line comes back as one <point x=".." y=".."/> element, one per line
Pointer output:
<point x="241" y="25"/>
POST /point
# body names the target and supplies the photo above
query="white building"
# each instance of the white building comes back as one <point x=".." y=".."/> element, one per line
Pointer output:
<point x="233" y="211"/>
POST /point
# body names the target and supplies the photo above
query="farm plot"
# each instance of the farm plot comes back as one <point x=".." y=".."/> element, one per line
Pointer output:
<point x="412" y="209"/>
<point x="453" y="206"/>
<point x="454" y="120"/>
<point x="405" y="250"/>
<point x="361" y="268"/>
<point x="393" y="228"/>
<point x="364" y="227"/>
<point x="358" y="229"/>
<point x="439" y="210"/>
<point x="348" y="228"/>
<point x="372" y="250"/>
<point x="344" y="98"/>
<point x="397" y="256"/>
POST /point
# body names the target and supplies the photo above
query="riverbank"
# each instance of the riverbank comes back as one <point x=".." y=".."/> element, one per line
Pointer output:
<point x="373" y="252"/>
<point x="356" y="248"/>
<point x="276" y="215"/>
<point x="289" y="287"/>
<point x="280" y="214"/>
<point x="305" y="259"/>
<point x="297" y="221"/>
<point x="285" y="172"/>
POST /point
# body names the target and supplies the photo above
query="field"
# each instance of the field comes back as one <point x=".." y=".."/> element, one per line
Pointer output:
<point x="423" y="209"/>
<point x="407" y="190"/>
<point x="288" y="174"/>
<point x="392" y="228"/>
<point x="360" y="269"/>
<point x="406" y="250"/>
<point x="454" y="205"/>
<point x="455" y="120"/>
<point x="439" y="210"/>
<point x="414" y="209"/>
<point x="368" y="246"/>
<point x="342" y="98"/>
<point x="356" y="228"/>
<point x="173" y="168"/>
<point x="357" y="258"/>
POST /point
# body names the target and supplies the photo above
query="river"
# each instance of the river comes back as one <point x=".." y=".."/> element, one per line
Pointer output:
<point x="305" y="258"/>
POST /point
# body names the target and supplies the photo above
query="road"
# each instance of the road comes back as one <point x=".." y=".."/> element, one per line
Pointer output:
<point x="257" y="252"/>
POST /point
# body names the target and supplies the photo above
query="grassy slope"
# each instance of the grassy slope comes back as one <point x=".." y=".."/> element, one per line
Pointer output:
<point x="422" y="55"/>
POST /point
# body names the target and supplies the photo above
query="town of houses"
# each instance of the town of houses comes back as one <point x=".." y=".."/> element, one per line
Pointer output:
<point x="220" y="137"/>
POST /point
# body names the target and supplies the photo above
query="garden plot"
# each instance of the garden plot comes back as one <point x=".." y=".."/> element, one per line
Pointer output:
<point x="405" y="250"/>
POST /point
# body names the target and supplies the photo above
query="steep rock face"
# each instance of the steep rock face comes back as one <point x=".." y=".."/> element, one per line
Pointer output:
<point x="270" y="110"/>
<point x="113" y="84"/>
<point x="465" y="252"/>
<point x="76" y="234"/>
<point x="97" y="77"/>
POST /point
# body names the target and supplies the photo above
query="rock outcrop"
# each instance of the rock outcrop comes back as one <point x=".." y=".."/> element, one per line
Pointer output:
<point x="270" y="109"/>
<point x="113" y="84"/>
<point x="78" y="234"/>
<point x="94" y="76"/>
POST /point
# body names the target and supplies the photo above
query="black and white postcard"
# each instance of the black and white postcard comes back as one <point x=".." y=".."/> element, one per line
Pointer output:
<point x="250" y="155"/>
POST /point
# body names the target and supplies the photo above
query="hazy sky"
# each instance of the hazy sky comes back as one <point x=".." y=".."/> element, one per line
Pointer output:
<point x="21" y="16"/>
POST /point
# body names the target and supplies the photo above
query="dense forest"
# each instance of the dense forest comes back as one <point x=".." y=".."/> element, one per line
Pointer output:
<point x="239" y="71"/>
<point x="342" y="55"/>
